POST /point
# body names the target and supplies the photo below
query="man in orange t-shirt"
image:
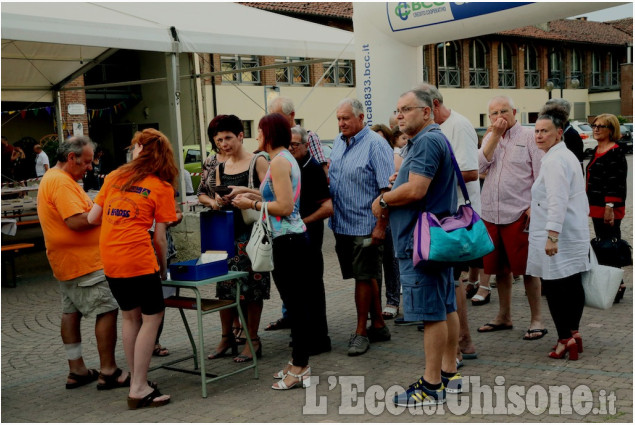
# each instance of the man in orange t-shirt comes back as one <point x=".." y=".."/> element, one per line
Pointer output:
<point x="72" y="247"/>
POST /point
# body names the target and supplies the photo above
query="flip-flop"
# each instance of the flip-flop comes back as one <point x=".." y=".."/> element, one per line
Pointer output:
<point x="469" y="356"/>
<point x="147" y="401"/>
<point x="542" y="333"/>
<point x="494" y="327"/>
<point x="81" y="380"/>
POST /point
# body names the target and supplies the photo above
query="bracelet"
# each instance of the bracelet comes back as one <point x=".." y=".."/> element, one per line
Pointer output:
<point x="256" y="205"/>
<point x="610" y="204"/>
<point x="253" y="205"/>
<point x="553" y="239"/>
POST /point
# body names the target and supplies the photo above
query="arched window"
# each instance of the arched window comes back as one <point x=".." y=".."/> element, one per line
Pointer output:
<point x="479" y="77"/>
<point x="506" y="73"/>
<point x="576" y="67"/>
<point x="556" y="73"/>
<point x="448" y="56"/>
<point x="596" y="70"/>
<point x="532" y="74"/>
<point x="614" y="71"/>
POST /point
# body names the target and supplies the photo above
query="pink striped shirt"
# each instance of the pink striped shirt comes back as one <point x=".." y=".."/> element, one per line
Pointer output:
<point x="515" y="165"/>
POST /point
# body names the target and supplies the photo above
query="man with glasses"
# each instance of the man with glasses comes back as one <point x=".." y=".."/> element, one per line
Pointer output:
<point x="511" y="159"/>
<point x="361" y="165"/>
<point x="426" y="180"/>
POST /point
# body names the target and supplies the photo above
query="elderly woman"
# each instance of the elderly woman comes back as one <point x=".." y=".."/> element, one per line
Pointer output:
<point x="131" y="198"/>
<point x="606" y="182"/>
<point x="559" y="231"/>
<point x="294" y="272"/>
<point x="227" y="132"/>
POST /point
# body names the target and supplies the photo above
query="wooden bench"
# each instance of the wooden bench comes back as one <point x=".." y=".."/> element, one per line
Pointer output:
<point x="11" y="252"/>
<point x="28" y="222"/>
<point x="18" y="216"/>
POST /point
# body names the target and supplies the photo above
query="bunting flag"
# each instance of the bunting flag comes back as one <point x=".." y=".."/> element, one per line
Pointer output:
<point x="99" y="112"/>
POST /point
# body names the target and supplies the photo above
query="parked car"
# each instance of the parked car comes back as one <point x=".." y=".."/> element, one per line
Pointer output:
<point x="586" y="133"/>
<point x="192" y="162"/>
<point x="626" y="142"/>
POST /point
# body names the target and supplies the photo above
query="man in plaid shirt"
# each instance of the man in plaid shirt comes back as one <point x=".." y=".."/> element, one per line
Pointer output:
<point x="284" y="105"/>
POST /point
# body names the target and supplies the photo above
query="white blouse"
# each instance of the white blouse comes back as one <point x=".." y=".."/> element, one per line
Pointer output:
<point x="559" y="203"/>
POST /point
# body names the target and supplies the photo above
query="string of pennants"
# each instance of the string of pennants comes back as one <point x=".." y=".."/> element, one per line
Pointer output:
<point x="35" y="179"/>
<point x="50" y="110"/>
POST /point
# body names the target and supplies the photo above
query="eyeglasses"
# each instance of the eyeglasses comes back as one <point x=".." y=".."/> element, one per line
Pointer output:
<point x="599" y="126"/>
<point x="407" y="109"/>
<point x="497" y="113"/>
<point x="294" y="144"/>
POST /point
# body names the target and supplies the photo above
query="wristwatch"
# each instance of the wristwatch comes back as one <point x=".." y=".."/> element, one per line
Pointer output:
<point x="553" y="239"/>
<point x="382" y="203"/>
<point x="610" y="204"/>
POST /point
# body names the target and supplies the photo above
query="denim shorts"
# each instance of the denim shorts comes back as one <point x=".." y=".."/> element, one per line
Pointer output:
<point x="428" y="291"/>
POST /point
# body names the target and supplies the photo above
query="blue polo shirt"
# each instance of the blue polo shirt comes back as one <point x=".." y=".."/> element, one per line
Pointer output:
<point x="427" y="155"/>
<point x="357" y="173"/>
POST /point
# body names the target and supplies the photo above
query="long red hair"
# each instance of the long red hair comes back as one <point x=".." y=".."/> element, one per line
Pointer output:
<point x="156" y="157"/>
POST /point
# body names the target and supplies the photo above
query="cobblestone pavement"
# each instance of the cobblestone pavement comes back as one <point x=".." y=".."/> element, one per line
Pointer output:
<point x="517" y="375"/>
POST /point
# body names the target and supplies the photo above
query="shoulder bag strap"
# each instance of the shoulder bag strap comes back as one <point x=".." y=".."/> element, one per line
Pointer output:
<point x="252" y="166"/>
<point x="459" y="176"/>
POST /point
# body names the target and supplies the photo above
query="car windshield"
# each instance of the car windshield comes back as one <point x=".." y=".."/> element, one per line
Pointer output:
<point x="585" y="127"/>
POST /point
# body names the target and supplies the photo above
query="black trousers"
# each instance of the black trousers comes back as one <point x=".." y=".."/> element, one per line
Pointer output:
<point x="565" y="298"/>
<point x="606" y="231"/>
<point x="294" y="276"/>
<point x="319" y="333"/>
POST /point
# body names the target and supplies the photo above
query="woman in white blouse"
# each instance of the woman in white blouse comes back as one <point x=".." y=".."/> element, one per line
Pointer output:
<point x="559" y="231"/>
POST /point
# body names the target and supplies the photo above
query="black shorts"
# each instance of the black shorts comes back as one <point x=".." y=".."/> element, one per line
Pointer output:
<point x="140" y="291"/>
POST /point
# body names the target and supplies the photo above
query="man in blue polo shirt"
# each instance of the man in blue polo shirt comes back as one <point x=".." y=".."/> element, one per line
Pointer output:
<point x="361" y="164"/>
<point x="426" y="181"/>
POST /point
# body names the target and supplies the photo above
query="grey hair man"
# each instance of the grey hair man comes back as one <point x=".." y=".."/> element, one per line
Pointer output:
<point x="284" y="105"/>
<point x="572" y="138"/>
<point x="41" y="161"/>
<point x="464" y="142"/>
<point x="72" y="248"/>
<point x="426" y="178"/>
<point x="511" y="159"/>
<point x="361" y="166"/>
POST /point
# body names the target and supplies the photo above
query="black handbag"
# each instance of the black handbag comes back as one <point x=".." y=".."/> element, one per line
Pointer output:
<point x="613" y="252"/>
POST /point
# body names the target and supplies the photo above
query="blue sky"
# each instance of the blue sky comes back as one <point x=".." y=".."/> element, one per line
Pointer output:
<point x="611" y="14"/>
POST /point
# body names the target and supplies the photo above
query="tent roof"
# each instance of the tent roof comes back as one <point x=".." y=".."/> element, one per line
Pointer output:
<point x="43" y="43"/>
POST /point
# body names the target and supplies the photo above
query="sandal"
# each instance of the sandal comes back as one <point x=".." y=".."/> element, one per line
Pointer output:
<point x="147" y="401"/>
<point x="390" y="312"/>
<point x="243" y="358"/>
<point x="238" y="331"/>
<point x="281" y="323"/>
<point x="471" y="288"/>
<point x="112" y="381"/>
<point x="620" y="294"/>
<point x="304" y="379"/>
<point x="479" y="299"/>
<point x="81" y="380"/>
<point x="222" y="353"/>
<point x="281" y="374"/>
<point x="160" y="351"/>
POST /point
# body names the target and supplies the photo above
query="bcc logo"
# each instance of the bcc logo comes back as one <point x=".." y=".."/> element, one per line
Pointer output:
<point x="402" y="10"/>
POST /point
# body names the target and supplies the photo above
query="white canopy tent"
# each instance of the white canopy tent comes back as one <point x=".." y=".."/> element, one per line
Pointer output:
<point x="46" y="45"/>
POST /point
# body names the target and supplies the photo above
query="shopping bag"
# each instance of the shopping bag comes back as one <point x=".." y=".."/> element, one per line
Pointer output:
<point x="600" y="284"/>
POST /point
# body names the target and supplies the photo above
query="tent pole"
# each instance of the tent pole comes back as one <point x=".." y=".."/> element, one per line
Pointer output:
<point x="58" y="117"/>
<point x="174" y="105"/>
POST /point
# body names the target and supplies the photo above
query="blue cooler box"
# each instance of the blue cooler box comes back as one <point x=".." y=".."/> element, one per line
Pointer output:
<point x="188" y="270"/>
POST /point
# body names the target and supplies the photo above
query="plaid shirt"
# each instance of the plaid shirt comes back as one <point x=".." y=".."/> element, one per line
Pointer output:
<point x="315" y="147"/>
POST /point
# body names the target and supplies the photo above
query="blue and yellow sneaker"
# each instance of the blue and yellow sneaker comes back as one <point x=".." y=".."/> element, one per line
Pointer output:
<point x="418" y="395"/>
<point x="453" y="385"/>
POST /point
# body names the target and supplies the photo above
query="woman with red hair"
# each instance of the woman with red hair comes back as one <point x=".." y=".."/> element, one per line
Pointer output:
<point x="132" y="197"/>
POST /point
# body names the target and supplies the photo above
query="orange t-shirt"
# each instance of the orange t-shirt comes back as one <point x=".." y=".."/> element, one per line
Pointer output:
<point x="125" y="244"/>
<point x="71" y="253"/>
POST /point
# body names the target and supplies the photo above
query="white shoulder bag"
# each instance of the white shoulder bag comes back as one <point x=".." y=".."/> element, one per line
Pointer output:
<point x="259" y="248"/>
<point x="600" y="283"/>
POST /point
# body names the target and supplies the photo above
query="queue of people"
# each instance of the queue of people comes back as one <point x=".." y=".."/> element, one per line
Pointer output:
<point x="535" y="202"/>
